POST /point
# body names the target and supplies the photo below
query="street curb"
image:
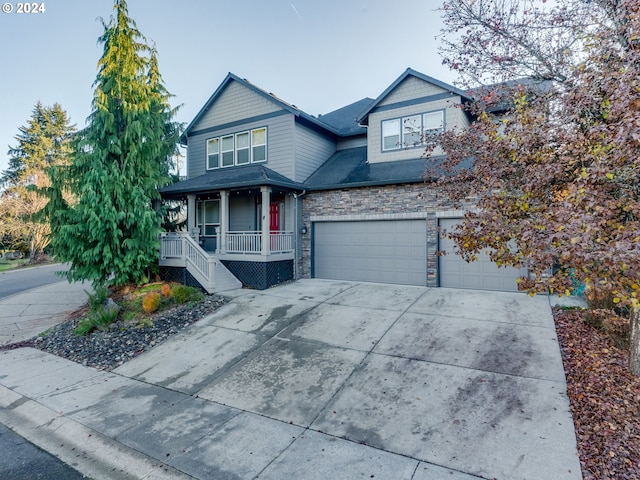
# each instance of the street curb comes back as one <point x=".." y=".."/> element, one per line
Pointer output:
<point x="13" y="270"/>
<point x="86" y="450"/>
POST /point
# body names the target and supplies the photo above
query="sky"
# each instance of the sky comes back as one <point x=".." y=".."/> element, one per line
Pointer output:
<point x="317" y="54"/>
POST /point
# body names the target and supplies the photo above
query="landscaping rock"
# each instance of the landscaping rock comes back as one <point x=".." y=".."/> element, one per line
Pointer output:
<point x="122" y="341"/>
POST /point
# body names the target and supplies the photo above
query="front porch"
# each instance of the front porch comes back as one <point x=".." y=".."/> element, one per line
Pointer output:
<point x="250" y="231"/>
<point x="245" y="259"/>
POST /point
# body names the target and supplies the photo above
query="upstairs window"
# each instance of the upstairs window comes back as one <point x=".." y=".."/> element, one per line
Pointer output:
<point x="433" y="123"/>
<point x="411" y="131"/>
<point x="213" y="153"/>
<point x="226" y="147"/>
<point x="391" y="134"/>
<point x="239" y="148"/>
<point x="259" y="145"/>
<point x="242" y="148"/>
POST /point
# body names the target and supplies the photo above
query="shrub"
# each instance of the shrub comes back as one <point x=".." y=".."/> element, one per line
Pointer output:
<point x="166" y="290"/>
<point x="85" y="326"/>
<point x="98" y="299"/>
<point x="183" y="294"/>
<point x="151" y="302"/>
<point x="100" y="318"/>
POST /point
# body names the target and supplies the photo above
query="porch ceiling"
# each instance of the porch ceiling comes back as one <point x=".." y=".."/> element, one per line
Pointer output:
<point x="229" y="178"/>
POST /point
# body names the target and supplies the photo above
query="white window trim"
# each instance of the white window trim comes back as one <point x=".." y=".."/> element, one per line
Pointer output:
<point x="252" y="146"/>
<point x="209" y="141"/>
<point x="232" y="151"/>
<point x="404" y="124"/>
<point x="236" y="149"/>
<point x="398" y="144"/>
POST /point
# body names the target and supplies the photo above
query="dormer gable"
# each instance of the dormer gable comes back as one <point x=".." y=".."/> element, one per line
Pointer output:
<point x="410" y="88"/>
<point x="237" y="100"/>
<point x="413" y="109"/>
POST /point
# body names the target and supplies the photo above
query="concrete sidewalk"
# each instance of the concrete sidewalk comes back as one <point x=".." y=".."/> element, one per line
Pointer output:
<point x="314" y="380"/>
<point x="27" y="314"/>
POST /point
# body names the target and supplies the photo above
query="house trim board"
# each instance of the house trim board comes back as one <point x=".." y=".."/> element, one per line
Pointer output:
<point x="238" y="123"/>
<point x="413" y="101"/>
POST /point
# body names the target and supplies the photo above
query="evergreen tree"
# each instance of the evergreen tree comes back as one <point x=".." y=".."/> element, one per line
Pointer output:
<point x="121" y="159"/>
<point x="42" y="143"/>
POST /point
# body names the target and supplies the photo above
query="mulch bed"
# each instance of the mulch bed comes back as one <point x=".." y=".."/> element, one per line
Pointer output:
<point x="605" y="399"/>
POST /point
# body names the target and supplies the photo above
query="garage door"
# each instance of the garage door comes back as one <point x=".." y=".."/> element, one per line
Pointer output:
<point x="482" y="274"/>
<point x="386" y="251"/>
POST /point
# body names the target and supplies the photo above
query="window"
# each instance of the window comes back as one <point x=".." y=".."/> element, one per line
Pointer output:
<point x="240" y="148"/>
<point x="391" y="134"/>
<point x="433" y="122"/>
<point x="411" y="131"/>
<point x="227" y="150"/>
<point x="213" y="153"/>
<point x="259" y="144"/>
<point x="208" y="217"/>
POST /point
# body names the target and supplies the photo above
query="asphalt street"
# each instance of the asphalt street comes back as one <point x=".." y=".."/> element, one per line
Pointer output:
<point x="22" y="460"/>
<point x="16" y="281"/>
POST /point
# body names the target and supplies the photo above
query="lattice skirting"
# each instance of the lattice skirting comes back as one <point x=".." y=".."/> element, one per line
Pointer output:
<point x="261" y="275"/>
<point x="179" y="275"/>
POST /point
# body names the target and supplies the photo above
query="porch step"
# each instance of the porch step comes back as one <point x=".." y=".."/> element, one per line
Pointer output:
<point x="224" y="280"/>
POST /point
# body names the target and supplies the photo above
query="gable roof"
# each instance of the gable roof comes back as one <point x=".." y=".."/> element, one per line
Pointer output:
<point x="409" y="72"/>
<point x="294" y="110"/>
<point x="498" y="97"/>
<point x="227" y="178"/>
<point x="345" y="119"/>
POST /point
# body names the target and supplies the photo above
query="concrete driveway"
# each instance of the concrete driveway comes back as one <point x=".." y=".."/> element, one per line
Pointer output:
<point x="327" y="379"/>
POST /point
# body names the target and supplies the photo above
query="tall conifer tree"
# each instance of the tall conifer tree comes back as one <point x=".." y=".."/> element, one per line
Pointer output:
<point x="121" y="159"/>
<point x="43" y="142"/>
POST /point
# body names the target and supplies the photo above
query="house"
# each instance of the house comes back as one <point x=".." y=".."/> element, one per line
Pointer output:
<point x="275" y="194"/>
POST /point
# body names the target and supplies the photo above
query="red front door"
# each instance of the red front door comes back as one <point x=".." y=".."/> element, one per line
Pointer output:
<point x="274" y="217"/>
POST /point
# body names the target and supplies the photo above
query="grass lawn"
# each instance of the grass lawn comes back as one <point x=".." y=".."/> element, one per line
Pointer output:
<point x="11" y="264"/>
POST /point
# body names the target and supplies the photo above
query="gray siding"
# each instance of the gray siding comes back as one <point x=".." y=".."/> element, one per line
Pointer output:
<point x="279" y="145"/>
<point x="196" y="156"/>
<point x="411" y="88"/>
<point x="280" y="133"/>
<point x="311" y="151"/>
<point x="242" y="217"/>
<point x="235" y="103"/>
<point x="352" y="142"/>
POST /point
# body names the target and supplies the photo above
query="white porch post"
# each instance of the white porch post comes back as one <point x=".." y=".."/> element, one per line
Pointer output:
<point x="266" y="203"/>
<point x="224" y="221"/>
<point x="191" y="213"/>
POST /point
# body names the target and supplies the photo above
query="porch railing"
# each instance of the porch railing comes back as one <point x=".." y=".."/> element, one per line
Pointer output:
<point x="182" y="247"/>
<point x="171" y="246"/>
<point x="176" y="246"/>
<point x="251" y="242"/>
<point x="182" y="250"/>
<point x="198" y="258"/>
<point x="281" y="242"/>
<point x="244" y="242"/>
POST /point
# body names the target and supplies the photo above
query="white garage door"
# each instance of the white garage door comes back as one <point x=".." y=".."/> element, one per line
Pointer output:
<point x="385" y="251"/>
<point x="482" y="274"/>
